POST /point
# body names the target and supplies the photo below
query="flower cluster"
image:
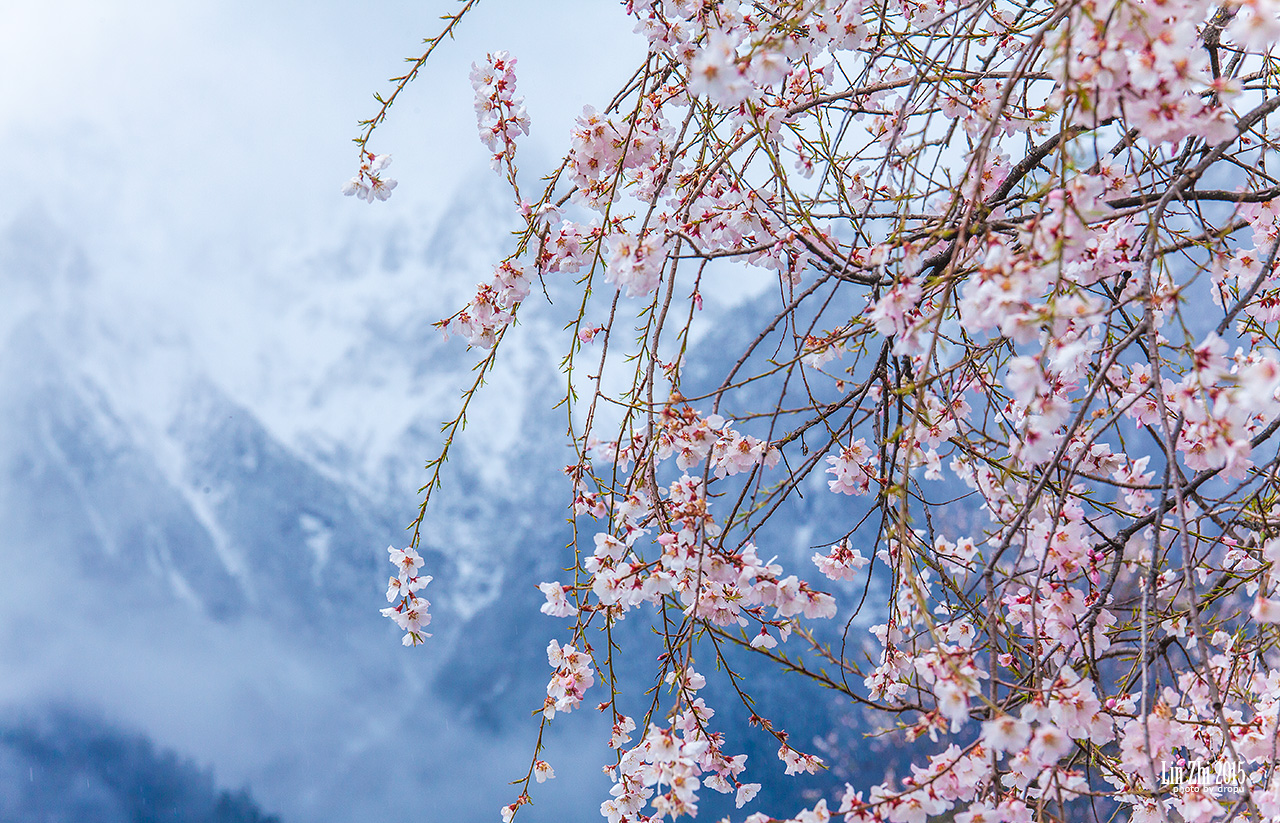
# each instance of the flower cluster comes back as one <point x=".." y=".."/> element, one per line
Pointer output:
<point x="573" y="676"/>
<point x="1147" y="63"/>
<point x="370" y="184"/>
<point x="600" y="151"/>
<point x="1018" y="341"/>
<point x="410" y="611"/>
<point x="852" y="469"/>
<point x="636" y="264"/>
<point x="493" y="307"/>
<point x="668" y="767"/>
<point x="692" y="439"/>
<point x="721" y="587"/>
<point x="842" y="563"/>
<point x="500" y="114"/>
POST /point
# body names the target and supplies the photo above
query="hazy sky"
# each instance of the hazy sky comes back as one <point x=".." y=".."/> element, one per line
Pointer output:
<point x="164" y="129"/>
<point x="196" y="150"/>
<point x="181" y="145"/>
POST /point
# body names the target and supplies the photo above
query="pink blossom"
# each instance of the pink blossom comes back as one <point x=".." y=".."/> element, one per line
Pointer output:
<point x="1006" y="734"/>
<point x="370" y="184"/>
<point x="1265" y="610"/>
<point x="557" y="605"/>
<point x="842" y="563"/>
<point x="852" y="469"/>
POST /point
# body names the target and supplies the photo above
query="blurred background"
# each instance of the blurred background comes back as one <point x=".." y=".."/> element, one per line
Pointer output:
<point x="219" y="384"/>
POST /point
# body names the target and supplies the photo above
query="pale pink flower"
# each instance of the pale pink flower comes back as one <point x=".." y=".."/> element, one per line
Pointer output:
<point x="1049" y="745"/>
<point x="1006" y="733"/>
<point x="557" y="604"/>
<point x="1265" y="610"/>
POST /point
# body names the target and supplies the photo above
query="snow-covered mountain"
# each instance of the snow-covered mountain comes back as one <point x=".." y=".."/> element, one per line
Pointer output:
<point x="63" y="767"/>
<point x="193" y="541"/>
<point x="198" y="493"/>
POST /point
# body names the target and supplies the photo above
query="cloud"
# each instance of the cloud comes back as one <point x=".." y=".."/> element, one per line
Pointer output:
<point x="213" y="122"/>
<point x="185" y="149"/>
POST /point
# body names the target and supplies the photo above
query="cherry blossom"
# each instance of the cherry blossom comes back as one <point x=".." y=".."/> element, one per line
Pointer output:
<point x="842" y="563"/>
<point x="1022" y="319"/>
<point x="572" y="677"/>
<point x="370" y="184"/>
<point x="410" y="612"/>
<point x="500" y="114"/>
<point x="557" y="604"/>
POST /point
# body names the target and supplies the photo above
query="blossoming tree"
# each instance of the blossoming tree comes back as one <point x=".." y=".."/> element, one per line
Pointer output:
<point x="1026" y="249"/>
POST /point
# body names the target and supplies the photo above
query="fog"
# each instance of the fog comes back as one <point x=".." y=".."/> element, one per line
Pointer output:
<point x="173" y="178"/>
